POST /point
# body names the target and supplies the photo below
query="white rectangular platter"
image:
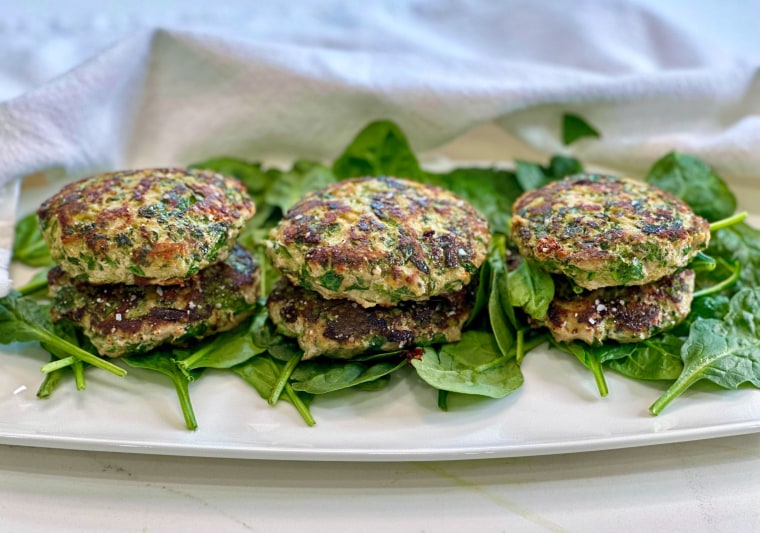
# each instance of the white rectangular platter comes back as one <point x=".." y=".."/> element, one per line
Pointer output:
<point x="557" y="410"/>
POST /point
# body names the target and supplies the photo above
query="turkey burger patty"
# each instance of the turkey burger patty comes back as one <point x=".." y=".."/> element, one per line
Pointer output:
<point x="602" y="231"/>
<point x="341" y="328"/>
<point x="622" y="314"/>
<point x="128" y="319"/>
<point x="153" y="226"/>
<point x="380" y="241"/>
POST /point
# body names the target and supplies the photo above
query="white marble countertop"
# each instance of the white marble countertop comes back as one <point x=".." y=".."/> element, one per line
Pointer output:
<point x="706" y="486"/>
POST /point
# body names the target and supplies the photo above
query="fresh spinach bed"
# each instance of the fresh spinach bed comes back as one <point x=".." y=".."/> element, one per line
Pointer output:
<point x="719" y="341"/>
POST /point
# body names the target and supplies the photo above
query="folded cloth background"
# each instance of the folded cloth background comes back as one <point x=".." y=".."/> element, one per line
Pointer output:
<point x="301" y="80"/>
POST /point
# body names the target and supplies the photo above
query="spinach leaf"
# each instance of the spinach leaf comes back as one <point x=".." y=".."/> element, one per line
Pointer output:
<point x="715" y="306"/>
<point x="28" y="245"/>
<point x="224" y="350"/>
<point x="482" y="293"/>
<point x="574" y="128"/>
<point x="474" y="365"/>
<point x="255" y="240"/>
<point x="530" y="175"/>
<point x="380" y="149"/>
<point x="500" y="312"/>
<point x="64" y="363"/>
<point x="22" y="319"/>
<point x="740" y="244"/>
<point x="263" y="373"/>
<point x="531" y="289"/>
<point x="692" y="180"/>
<point x="284" y="349"/>
<point x="726" y="352"/>
<point x="291" y="186"/>
<point x="37" y="285"/>
<point x="164" y="363"/>
<point x="268" y="273"/>
<point x="69" y="332"/>
<point x="320" y="376"/>
<point x="657" y="358"/>
<point x="592" y="358"/>
<point x="374" y="385"/>
<point x="703" y="263"/>
<point x="491" y="191"/>
<point x="561" y="166"/>
<point x="256" y="179"/>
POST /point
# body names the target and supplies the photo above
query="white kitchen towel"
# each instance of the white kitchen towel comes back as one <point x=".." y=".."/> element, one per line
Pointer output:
<point x="166" y="97"/>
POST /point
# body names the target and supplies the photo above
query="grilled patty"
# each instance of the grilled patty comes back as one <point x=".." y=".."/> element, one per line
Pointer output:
<point x="605" y="231"/>
<point x="623" y="314"/>
<point x="124" y="319"/>
<point x="380" y="241"/>
<point x="153" y="226"/>
<point x="343" y="329"/>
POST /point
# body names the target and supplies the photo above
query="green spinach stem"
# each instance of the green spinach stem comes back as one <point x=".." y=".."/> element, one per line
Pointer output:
<point x="443" y="396"/>
<point x="520" y="345"/>
<point x="299" y="405"/>
<point x="282" y="380"/>
<point x="726" y="222"/>
<point x="78" y="368"/>
<point x="75" y="351"/>
<point x="730" y="280"/>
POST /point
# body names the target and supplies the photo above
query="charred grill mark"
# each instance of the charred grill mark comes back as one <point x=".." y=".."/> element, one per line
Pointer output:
<point x="386" y="207"/>
<point x="411" y="250"/>
<point x="302" y="207"/>
<point x="401" y="337"/>
<point x="638" y="317"/>
<point x="450" y="248"/>
<point x="671" y="231"/>
<point x="289" y="313"/>
<point x="142" y="187"/>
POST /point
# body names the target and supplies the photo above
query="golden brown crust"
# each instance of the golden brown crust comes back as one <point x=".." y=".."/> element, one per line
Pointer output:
<point x="380" y="241"/>
<point x="343" y="329"/>
<point x="622" y="314"/>
<point x="604" y="231"/>
<point x="151" y="226"/>
<point x="124" y="319"/>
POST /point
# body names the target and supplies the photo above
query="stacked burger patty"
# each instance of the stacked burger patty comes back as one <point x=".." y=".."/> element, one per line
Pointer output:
<point x="148" y="257"/>
<point x="375" y="264"/>
<point x="618" y="249"/>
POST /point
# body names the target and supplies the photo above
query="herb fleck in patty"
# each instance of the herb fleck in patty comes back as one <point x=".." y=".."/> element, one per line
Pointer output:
<point x="153" y="226"/>
<point x="343" y="329"/>
<point x="124" y="319"/>
<point x="380" y="241"/>
<point x="605" y="231"/>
